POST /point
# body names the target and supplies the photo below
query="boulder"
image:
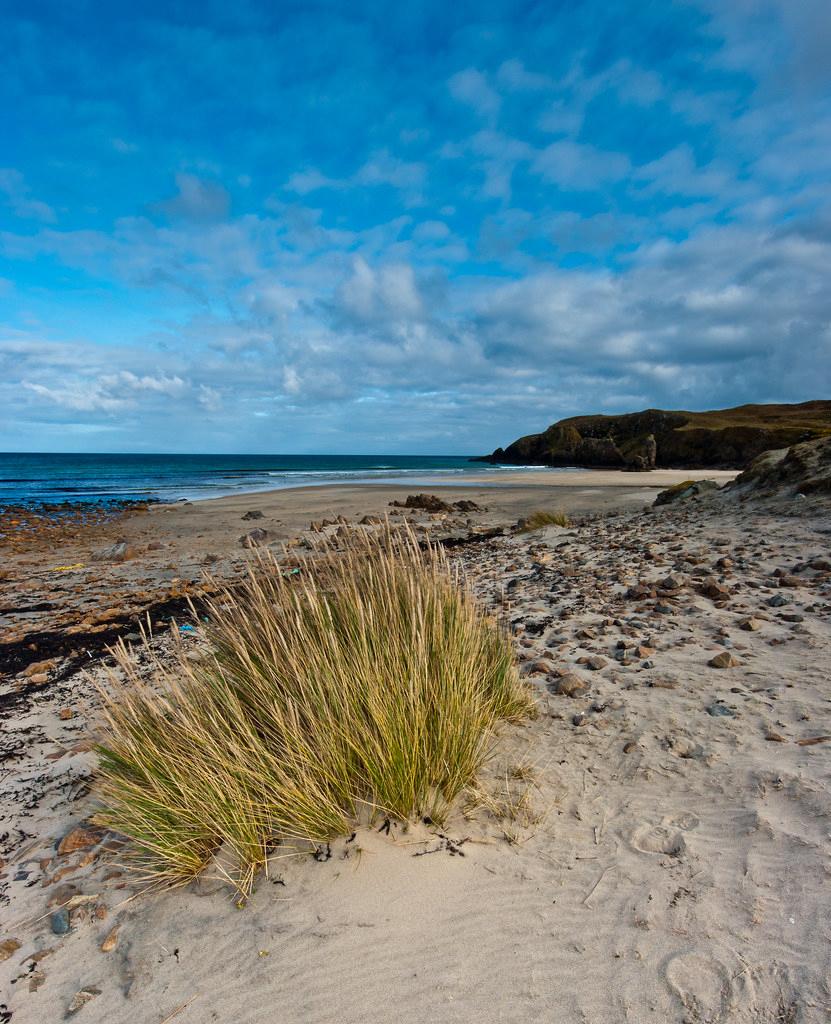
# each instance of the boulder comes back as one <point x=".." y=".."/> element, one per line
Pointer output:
<point x="686" y="489"/>
<point x="426" y="502"/>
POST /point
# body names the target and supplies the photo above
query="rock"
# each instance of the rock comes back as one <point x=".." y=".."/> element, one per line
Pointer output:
<point x="715" y="590"/>
<point x="629" y="747"/>
<point x="720" y="711"/>
<point x="569" y="685"/>
<point x="468" y="506"/>
<point x="779" y="601"/>
<point x="790" y="581"/>
<point x="724" y="660"/>
<point x="541" y="666"/>
<point x="803" y="468"/>
<point x="79" y="839"/>
<point x="39" y="667"/>
<point x="253" y="514"/>
<point x="673" y="582"/>
<point x="684" y="490"/>
<point x="59" y="921"/>
<point x="121" y="551"/>
<point x="371" y="521"/>
<point x="685" y="748"/>
<point x="110" y="940"/>
<point x="427" y="502"/>
<point x="81" y="998"/>
<point x="255" y="538"/>
<point x="792" y="617"/>
<point x="8" y="947"/>
<point x="595" y="662"/>
<point x="750" y="625"/>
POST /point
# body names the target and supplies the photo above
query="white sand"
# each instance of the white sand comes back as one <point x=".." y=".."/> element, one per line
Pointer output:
<point x="685" y="880"/>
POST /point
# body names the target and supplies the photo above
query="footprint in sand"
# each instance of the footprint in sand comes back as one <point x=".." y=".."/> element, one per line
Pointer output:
<point x="666" y="837"/>
<point x="686" y="821"/>
<point x="659" y="839"/>
<point x="702" y="985"/>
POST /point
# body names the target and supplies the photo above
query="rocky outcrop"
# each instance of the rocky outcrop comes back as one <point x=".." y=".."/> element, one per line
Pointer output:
<point x="724" y="438"/>
<point x="801" y="469"/>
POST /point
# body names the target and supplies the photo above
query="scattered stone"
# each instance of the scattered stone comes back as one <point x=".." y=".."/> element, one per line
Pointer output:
<point x="59" y="921"/>
<point x="81" y="998"/>
<point x="774" y="737"/>
<point x="790" y="581"/>
<point x="39" y="668"/>
<point x="685" y="748"/>
<point x="629" y="747"/>
<point x="715" y="590"/>
<point x="253" y="514"/>
<point x="750" y="625"/>
<point x="110" y="940"/>
<point x="724" y="660"/>
<point x="779" y="601"/>
<point x="8" y="948"/>
<point x="542" y="666"/>
<point x="720" y="711"/>
<point x="594" y="661"/>
<point x="569" y="685"/>
<point x="79" y="839"/>
<point x="121" y="551"/>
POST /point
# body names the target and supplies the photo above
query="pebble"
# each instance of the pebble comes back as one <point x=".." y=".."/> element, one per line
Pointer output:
<point x="720" y="711"/>
<point x="569" y="685"/>
<point x="59" y="921"/>
<point x="81" y="998"/>
<point x="750" y="625"/>
<point x="110" y="941"/>
<point x="78" y="839"/>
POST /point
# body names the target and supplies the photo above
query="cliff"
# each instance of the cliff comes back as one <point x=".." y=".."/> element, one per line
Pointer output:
<point x="722" y="438"/>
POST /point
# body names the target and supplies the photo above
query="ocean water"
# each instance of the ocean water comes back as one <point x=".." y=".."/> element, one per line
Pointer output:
<point x="31" y="479"/>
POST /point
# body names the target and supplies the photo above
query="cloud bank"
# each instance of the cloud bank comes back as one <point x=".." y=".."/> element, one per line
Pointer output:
<point x="407" y="233"/>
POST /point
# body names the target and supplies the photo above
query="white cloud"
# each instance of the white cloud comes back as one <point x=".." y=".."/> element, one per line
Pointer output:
<point x="471" y="87"/>
<point x="19" y="198"/>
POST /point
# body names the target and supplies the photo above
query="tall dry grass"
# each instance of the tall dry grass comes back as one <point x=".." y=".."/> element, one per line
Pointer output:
<point x="370" y="681"/>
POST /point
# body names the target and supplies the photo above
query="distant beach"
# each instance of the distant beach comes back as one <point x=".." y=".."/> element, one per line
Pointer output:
<point x="36" y="478"/>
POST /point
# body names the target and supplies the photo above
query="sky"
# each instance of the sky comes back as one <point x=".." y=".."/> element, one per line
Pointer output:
<point x="405" y="228"/>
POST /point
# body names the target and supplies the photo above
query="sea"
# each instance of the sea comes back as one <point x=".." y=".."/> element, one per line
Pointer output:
<point x="33" y="479"/>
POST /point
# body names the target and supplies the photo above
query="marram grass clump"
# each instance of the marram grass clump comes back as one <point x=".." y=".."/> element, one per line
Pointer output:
<point x="369" y="682"/>
<point x="537" y="520"/>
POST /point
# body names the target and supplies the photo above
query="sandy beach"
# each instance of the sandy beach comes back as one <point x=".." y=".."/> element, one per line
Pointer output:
<point x="652" y="847"/>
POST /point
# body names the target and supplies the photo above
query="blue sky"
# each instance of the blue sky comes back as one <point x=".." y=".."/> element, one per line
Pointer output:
<point x="320" y="227"/>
